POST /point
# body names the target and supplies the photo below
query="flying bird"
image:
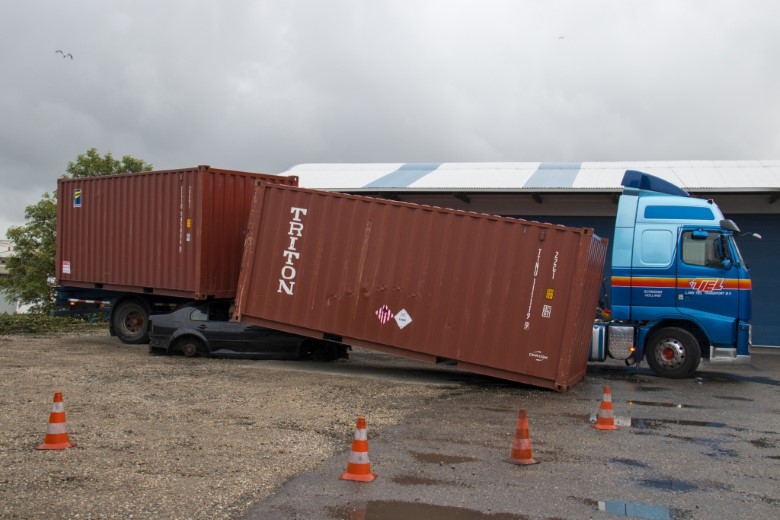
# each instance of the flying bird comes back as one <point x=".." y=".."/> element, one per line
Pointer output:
<point x="68" y="55"/>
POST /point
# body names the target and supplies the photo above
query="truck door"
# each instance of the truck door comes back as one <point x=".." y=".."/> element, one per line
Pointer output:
<point x="708" y="283"/>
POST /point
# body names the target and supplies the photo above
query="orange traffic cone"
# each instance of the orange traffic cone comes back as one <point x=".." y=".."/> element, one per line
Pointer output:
<point x="521" y="447"/>
<point x="359" y="467"/>
<point x="605" y="420"/>
<point x="56" y="435"/>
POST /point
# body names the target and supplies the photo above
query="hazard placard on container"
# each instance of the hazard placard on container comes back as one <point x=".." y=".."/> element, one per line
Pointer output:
<point x="403" y="319"/>
<point x="384" y="314"/>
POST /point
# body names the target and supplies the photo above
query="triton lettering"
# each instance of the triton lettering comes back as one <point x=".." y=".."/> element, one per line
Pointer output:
<point x="291" y="254"/>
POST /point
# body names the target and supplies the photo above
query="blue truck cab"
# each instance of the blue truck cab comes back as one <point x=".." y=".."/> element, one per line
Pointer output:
<point x="680" y="288"/>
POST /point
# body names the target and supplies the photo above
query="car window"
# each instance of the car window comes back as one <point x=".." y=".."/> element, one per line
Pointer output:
<point x="199" y="315"/>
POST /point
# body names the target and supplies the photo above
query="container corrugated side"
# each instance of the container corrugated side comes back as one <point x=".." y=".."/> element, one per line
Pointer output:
<point x="172" y="232"/>
<point x="500" y="296"/>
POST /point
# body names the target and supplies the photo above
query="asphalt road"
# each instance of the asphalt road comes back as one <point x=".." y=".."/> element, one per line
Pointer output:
<point x="706" y="447"/>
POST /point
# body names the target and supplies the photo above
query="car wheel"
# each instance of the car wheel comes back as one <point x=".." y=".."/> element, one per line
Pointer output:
<point x="673" y="352"/>
<point x="191" y="347"/>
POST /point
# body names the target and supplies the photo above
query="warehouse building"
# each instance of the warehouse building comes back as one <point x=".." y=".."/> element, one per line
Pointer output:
<point x="585" y="195"/>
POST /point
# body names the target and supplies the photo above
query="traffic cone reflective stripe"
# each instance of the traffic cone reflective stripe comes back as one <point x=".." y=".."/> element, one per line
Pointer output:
<point x="56" y="434"/>
<point x="359" y="467"/>
<point x="605" y="420"/>
<point x="521" y="446"/>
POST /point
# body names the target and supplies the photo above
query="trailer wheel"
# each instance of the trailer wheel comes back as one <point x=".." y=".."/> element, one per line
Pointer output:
<point x="673" y="352"/>
<point x="191" y="347"/>
<point x="131" y="322"/>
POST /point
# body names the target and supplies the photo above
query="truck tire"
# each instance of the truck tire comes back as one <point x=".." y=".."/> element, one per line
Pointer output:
<point x="130" y="321"/>
<point x="673" y="352"/>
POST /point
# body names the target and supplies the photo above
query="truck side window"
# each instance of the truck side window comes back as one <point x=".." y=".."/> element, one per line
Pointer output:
<point x="657" y="247"/>
<point x="705" y="252"/>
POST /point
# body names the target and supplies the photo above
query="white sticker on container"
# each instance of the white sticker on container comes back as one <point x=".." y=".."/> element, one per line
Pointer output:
<point x="65" y="267"/>
<point x="403" y="319"/>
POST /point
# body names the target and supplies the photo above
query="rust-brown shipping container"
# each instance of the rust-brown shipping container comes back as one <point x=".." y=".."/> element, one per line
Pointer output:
<point x="176" y="233"/>
<point x="499" y="296"/>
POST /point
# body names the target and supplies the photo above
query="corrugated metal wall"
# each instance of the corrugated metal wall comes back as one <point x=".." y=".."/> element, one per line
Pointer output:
<point x="762" y="259"/>
<point x="508" y="298"/>
<point x="173" y="232"/>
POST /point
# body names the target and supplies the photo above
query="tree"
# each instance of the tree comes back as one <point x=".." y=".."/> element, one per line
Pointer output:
<point x="91" y="164"/>
<point x="34" y="242"/>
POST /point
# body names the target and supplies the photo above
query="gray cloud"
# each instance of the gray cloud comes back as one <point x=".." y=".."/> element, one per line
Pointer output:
<point x="262" y="86"/>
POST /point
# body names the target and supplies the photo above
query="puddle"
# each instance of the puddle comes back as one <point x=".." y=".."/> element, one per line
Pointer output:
<point x="392" y="510"/>
<point x="587" y="501"/>
<point x="763" y="443"/>
<point x="666" y="404"/>
<point x="722" y="452"/>
<point x="576" y="415"/>
<point x="731" y="398"/>
<point x="499" y="410"/>
<point x="640" y="388"/>
<point x="735" y="378"/>
<point x="637" y="510"/>
<point x="410" y="480"/>
<point x="634" y="509"/>
<point x="714" y="484"/>
<point x="438" y="458"/>
<point x="629" y="462"/>
<point x="669" y="484"/>
<point x="713" y="444"/>
<point x="653" y="424"/>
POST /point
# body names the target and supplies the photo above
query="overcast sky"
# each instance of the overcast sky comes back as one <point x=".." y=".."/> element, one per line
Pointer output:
<point x="264" y="85"/>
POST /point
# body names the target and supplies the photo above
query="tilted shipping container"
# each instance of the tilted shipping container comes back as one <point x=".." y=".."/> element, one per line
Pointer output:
<point x="174" y="232"/>
<point x="499" y="296"/>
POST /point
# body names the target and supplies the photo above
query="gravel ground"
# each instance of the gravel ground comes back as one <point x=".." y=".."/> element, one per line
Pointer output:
<point x="168" y="436"/>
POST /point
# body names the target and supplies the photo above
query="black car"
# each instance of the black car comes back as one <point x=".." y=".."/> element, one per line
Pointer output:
<point x="204" y="328"/>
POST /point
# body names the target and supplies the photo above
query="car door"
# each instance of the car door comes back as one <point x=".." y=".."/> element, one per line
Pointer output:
<point x="230" y="338"/>
<point x="211" y="320"/>
<point x="269" y="343"/>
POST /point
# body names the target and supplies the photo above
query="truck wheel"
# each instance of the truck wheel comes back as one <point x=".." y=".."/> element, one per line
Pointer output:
<point x="673" y="352"/>
<point x="131" y="322"/>
<point x="191" y="347"/>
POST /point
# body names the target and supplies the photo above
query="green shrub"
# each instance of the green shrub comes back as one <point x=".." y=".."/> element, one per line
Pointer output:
<point x="38" y="323"/>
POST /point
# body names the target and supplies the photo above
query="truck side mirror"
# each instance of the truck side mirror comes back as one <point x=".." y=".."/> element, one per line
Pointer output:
<point x="729" y="225"/>
<point x="726" y="263"/>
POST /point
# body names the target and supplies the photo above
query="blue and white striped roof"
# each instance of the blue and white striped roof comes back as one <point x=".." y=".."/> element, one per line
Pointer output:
<point x="738" y="176"/>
